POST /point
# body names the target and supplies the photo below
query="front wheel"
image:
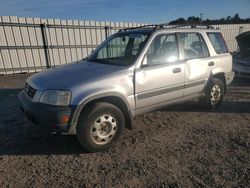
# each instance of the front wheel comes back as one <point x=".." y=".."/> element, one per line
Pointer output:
<point x="100" y="126"/>
<point x="214" y="94"/>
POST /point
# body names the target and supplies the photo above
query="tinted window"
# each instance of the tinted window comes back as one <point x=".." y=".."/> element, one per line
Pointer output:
<point x="163" y="49"/>
<point x="193" y="45"/>
<point x="218" y="43"/>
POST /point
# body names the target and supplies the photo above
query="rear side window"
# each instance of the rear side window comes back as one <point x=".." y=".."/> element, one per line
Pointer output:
<point x="193" y="46"/>
<point x="218" y="43"/>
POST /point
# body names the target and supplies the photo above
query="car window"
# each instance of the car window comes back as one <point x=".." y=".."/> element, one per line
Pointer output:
<point x="218" y="43"/>
<point x="115" y="48"/>
<point x="193" y="45"/>
<point x="139" y="43"/>
<point x="121" y="49"/>
<point x="163" y="49"/>
<point x="118" y="46"/>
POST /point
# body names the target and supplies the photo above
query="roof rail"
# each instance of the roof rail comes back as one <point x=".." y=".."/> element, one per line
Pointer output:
<point x="189" y="26"/>
<point x="131" y="28"/>
<point x="157" y="26"/>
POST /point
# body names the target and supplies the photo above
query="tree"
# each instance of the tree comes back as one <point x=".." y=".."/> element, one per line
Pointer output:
<point x="179" y="21"/>
<point x="193" y="20"/>
<point x="229" y="18"/>
<point x="236" y="17"/>
<point x="196" y="20"/>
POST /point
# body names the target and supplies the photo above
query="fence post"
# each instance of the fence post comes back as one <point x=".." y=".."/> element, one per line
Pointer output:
<point x="240" y="29"/>
<point x="106" y="32"/>
<point x="45" y="45"/>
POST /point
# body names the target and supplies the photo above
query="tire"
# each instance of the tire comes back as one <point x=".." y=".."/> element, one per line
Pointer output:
<point x="214" y="94"/>
<point x="100" y="126"/>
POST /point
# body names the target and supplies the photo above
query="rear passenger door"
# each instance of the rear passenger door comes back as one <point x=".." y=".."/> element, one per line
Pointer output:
<point x="198" y="64"/>
<point x="221" y="57"/>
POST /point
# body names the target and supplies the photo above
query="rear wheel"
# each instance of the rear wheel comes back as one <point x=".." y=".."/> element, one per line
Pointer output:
<point x="100" y="126"/>
<point x="214" y="94"/>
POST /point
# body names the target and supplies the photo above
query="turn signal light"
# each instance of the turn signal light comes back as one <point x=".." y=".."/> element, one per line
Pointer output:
<point x="64" y="119"/>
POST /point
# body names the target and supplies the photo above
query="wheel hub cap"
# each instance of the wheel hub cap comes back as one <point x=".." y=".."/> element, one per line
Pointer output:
<point x="103" y="129"/>
<point x="215" y="95"/>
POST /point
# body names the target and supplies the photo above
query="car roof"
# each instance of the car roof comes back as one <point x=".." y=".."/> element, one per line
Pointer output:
<point x="155" y="28"/>
<point x="137" y="30"/>
<point x="189" y="29"/>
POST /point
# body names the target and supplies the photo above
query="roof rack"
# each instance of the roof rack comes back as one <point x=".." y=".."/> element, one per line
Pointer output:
<point x="131" y="28"/>
<point x="189" y="26"/>
<point x="158" y="26"/>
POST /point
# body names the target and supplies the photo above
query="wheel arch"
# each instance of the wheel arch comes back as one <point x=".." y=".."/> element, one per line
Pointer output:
<point x="218" y="75"/>
<point x="114" y="99"/>
<point x="221" y="76"/>
<point x="204" y="98"/>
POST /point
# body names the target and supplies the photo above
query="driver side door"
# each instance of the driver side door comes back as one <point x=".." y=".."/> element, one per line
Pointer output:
<point x="160" y="79"/>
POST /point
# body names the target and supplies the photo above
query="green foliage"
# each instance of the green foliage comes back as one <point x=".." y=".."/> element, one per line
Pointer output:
<point x="197" y="20"/>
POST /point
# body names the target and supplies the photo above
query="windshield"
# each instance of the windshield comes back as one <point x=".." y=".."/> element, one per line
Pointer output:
<point x="121" y="49"/>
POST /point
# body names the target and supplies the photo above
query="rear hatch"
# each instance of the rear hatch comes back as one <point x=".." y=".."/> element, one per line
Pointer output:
<point x="244" y="44"/>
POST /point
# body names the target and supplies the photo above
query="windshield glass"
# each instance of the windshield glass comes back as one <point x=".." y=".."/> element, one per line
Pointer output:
<point x="122" y="49"/>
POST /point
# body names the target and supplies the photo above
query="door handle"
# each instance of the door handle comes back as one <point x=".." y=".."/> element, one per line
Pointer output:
<point x="211" y="64"/>
<point x="176" y="70"/>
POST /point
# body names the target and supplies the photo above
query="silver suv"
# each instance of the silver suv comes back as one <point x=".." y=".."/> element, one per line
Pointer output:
<point x="134" y="71"/>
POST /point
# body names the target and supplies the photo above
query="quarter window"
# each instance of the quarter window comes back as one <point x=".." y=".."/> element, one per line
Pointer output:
<point x="218" y="43"/>
<point x="193" y="45"/>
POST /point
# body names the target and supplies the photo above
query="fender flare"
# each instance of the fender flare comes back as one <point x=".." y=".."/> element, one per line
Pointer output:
<point x="85" y="101"/>
<point x="216" y="74"/>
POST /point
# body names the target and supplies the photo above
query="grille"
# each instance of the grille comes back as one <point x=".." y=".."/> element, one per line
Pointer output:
<point x="30" y="90"/>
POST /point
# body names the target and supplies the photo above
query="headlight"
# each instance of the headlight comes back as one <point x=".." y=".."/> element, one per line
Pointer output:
<point x="56" y="97"/>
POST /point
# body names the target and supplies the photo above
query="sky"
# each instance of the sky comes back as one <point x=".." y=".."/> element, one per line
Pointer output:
<point x="143" y="11"/>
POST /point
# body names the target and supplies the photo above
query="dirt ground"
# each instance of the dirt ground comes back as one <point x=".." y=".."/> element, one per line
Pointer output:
<point x="179" y="146"/>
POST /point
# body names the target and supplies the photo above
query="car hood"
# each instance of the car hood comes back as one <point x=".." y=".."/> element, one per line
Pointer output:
<point x="70" y="75"/>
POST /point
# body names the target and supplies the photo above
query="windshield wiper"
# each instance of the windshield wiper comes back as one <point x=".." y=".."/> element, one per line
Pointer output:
<point x="99" y="61"/>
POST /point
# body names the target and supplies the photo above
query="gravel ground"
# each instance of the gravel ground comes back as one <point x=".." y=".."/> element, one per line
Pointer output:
<point x="179" y="146"/>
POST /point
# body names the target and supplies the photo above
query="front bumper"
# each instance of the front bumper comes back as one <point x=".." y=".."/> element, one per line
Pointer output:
<point x="49" y="116"/>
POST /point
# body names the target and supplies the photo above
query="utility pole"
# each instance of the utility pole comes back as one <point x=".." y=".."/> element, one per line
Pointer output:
<point x="201" y="14"/>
